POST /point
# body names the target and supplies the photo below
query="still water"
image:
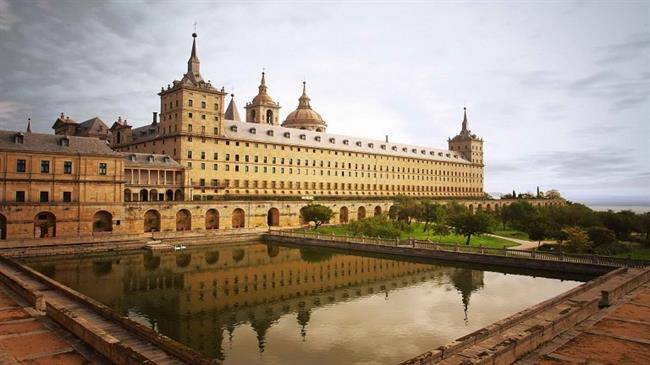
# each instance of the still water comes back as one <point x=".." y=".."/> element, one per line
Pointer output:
<point x="265" y="304"/>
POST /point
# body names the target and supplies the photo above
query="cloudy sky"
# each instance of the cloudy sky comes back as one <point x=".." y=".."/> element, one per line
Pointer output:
<point x="558" y="90"/>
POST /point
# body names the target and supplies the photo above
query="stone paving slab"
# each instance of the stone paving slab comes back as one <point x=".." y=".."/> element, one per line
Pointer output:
<point x="616" y="335"/>
<point x="28" y="337"/>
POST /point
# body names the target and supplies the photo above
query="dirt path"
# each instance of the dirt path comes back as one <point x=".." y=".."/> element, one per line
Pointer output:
<point x="523" y="244"/>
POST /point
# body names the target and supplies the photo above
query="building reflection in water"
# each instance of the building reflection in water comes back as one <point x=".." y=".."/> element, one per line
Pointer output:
<point x="201" y="296"/>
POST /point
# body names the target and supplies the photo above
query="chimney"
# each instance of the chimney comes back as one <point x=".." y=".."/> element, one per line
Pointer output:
<point x="155" y="117"/>
<point x="387" y="138"/>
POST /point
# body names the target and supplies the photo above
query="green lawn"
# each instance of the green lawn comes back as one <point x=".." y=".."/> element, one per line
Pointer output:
<point x="512" y="234"/>
<point x="637" y="253"/>
<point x="484" y="240"/>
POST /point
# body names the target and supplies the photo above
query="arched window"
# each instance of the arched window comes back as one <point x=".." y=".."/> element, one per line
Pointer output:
<point x="269" y="116"/>
<point x="253" y="115"/>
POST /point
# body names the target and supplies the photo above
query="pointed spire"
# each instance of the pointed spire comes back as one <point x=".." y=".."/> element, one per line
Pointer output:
<point x="29" y="125"/>
<point x="193" y="63"/>
<point x="303" y="101"/>
<point x="231" y="111"/>
<point x="464" y="119"/>
<point x="262" y="88"/>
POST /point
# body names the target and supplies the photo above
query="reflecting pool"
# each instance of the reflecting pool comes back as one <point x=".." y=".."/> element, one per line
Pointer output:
<point x="255" y="303"/>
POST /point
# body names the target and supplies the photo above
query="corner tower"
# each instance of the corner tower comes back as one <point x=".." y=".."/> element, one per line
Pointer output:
<point x="191" y="105"/>
<point x="263" y="109"/>
<point x="467" y="144"/>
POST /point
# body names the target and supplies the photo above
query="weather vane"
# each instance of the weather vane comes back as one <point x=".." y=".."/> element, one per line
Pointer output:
<point x="195" y="26"/>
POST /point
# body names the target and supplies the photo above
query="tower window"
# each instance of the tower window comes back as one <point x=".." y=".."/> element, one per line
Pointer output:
<point x="190" y="102"/>
<point x="269" y="116"/>
<point x="203" y="104"/>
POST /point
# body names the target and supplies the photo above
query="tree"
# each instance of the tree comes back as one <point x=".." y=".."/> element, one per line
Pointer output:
<point x="538" y="227"/>
<point x="622" y="223"/>
<point x="431" y="213"/>
<point x="577" y="240"/>
<point x="455" y="209"/>
<point x="518" y="214"/>
<point x="471" y="224"/>
<point x="407" y="209"/>
<point x="316" y="213"/>
<point x="603" y="240"/>
<point x="377" y="226"/>
<point x="440" y="229"/>
<point x="553" y="194"/>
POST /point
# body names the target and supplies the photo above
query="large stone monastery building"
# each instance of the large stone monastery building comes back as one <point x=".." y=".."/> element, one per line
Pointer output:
<point x="263" y="156"/>
<point x="199" y="166"/>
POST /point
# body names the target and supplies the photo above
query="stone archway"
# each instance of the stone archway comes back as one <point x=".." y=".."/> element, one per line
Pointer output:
<point x="3" y="227"/>
<point x="238" y="218"/>
<point x="343" y="215"/>
<point x="152" y="221"/>
<point x="183" y="220"/>
<point x="378" y="210"/>
<point x="44" y="225"/>
<point x="153" y="195"/>
<point x="102" y="221"/>
<point x="212" y="219"/>
<point x="169" y="195"/>
<point x="361" y="213"/>
<point x="178" y="195"/>
<point x="127" y="195"/>
<point x="273" y="217"/>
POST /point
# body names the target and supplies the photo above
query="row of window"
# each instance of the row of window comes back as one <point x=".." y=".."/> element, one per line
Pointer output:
<point x="332" y="186"/>
<point x="143" y="146"/>
<point x="190" y="102"/>
<point x="21" y="166"/>
<point x="43" y="197"/>
<point x="321" y="163"/>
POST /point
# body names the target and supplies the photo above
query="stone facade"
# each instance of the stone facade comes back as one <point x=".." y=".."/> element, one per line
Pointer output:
<point x="192" y="169"/>
<point x="258" y="157"/>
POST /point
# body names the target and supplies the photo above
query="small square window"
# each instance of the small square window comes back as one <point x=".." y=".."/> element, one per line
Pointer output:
<point x="67" y="196"/>
<point x="21" y="165"/>
<point x="67" y="167"/>
<point x="102" y="168"/>
<point x="44" y="197"/>
<point x="20" y="196"/>
<point x="45" y="167"/>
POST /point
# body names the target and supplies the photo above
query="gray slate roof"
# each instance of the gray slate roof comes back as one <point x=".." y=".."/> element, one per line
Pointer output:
<point x="51" y="143"/>
<point x="92" y="126"/>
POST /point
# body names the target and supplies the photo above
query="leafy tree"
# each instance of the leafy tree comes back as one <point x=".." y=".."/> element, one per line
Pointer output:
<point x="440" y="229"/>
<point x="622" y="223"/>
<point x="644" y="225"/>
<point x="603" y="241"/>
<point x="518" y="215"/>
<point x="553" y="194"/>
<point x="407" y="209"/>
<point x="471" y="224"/>
<point x="316" y="213"/>
<point x="455" y="209"/>
<point x="431" y="213"/>
<point x="377" y="226"/>
<point x="577" y="240"/>
<point x="538" y="228"/>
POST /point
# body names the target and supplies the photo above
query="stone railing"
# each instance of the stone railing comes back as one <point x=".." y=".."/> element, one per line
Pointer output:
<point x="502" y="252"/>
